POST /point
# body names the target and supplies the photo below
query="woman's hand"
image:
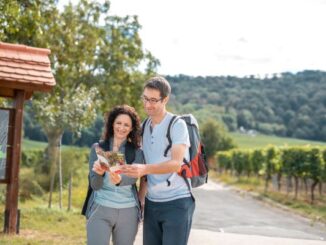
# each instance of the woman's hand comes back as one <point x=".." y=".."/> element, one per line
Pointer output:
<point x="115" y="178"/>
<point x="98" y="168"/>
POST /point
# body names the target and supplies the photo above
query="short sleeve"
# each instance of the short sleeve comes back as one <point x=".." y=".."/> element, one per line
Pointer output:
<point x="179" y="133"/>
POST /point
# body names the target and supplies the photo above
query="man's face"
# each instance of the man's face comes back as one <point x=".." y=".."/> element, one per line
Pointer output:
<point x="153" y="103"/>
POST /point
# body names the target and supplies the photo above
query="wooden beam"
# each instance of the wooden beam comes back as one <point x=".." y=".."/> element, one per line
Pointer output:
<point x="13" y="186"/>
<point x="27" y="85"/>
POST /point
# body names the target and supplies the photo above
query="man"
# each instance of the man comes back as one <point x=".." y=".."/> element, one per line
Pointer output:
<point x="169" y="206"/>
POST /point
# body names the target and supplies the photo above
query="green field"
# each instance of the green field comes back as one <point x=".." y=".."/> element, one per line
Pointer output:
<point x="245" y="141"/>
<point x="34" y="145"/>
<point x="31" y="144"/>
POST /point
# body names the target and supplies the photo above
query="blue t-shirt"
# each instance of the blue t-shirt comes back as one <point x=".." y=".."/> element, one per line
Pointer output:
<point x="154" y="145"/>
<point x="120" y="196"/>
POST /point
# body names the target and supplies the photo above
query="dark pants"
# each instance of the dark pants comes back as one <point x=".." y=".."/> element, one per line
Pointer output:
<point x="167" y="223"/>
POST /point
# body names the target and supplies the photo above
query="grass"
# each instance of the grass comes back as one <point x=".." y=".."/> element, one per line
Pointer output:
<point x="36" y="145"/>
<point x="301" y="205"/>
<point x="33" y="145"/>
<point x="245" y="141"/>
<point x="41" y="225"/>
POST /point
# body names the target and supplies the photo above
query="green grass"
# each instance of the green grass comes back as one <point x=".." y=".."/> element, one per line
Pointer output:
<point x="242" y="140"/>
<point x="259" y="141"/>
<point x="33" y="145"/>
<point x="41" y="225"/>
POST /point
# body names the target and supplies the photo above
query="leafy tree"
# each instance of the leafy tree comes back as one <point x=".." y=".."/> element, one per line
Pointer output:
<point x="90" y="61"/>
<point x="215" y="138"/>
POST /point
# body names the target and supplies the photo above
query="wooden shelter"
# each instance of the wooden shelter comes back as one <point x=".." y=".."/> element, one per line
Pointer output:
<point x="23" y="70"/>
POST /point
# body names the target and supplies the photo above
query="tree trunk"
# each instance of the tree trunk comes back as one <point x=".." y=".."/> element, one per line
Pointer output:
<point x="296" y="184"/>
<point x="60" y="175"/>
<point x="69" y="191"/>
<point x="266" y="183"/>
<point x="312" y="191"/>
<point x="53" y="142"/>
<point x="321" y="188"/>
<point x="288" y="185"/>
<point x="305" y="186"/>
<point x="279" y="183"/>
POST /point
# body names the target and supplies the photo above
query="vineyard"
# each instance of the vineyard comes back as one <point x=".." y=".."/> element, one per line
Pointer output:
<point x="291" y="170"/>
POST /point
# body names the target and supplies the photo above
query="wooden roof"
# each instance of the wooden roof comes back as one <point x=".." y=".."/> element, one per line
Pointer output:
<point x="24" y="68"/>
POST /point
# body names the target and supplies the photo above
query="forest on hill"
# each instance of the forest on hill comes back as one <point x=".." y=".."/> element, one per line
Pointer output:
<point x="289" y="105"/>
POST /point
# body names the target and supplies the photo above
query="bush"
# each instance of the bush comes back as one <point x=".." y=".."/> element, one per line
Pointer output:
<point x="32" y="158"/>
<point x="28" y="188"/>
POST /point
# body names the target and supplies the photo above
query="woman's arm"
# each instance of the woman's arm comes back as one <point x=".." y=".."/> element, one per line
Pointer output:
<point x="96" y="178"/>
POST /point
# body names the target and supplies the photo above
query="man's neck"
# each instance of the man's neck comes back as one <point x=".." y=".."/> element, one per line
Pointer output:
<point x="158" y="118"/>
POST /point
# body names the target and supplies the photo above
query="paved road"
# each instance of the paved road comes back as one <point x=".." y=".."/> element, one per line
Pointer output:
<point x="226" y="217"/>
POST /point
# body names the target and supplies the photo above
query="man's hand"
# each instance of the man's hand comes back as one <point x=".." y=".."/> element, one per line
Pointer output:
<point x="134" y="170"/>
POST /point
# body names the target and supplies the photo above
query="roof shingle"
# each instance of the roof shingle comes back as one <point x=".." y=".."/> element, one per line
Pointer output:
<point x="24" y="67"/>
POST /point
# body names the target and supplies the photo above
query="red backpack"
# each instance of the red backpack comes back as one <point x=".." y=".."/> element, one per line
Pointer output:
<point x="197" y="168"/>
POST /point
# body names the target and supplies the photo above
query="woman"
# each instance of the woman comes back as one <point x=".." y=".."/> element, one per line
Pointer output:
<point x="114" y="207"/>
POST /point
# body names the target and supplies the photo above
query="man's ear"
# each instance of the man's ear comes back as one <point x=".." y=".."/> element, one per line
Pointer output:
<point x="166" y="99"/>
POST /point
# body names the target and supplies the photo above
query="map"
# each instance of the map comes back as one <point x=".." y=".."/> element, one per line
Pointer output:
<point x="4" y="122"/>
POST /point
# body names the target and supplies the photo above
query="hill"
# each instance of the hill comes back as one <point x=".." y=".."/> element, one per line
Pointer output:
<point x="287" y="105"/>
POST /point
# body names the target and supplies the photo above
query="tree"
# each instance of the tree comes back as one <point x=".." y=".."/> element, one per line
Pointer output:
<point x="215" y="138"/>
<point x="72" y="112"/>
<point x="86" y="55"/>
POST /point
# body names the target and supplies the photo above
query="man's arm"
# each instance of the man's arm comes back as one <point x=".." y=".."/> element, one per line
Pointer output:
<point x="170" y="166"/>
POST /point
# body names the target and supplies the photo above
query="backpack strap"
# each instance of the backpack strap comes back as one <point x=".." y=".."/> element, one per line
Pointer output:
<point x="184" y="176"/>
<point x="104" y="144"/>
<point x="168" y="135"/>
<point x="130" y="154"/>
<point x="143" y="127"/>
<point x="88" y="195"/>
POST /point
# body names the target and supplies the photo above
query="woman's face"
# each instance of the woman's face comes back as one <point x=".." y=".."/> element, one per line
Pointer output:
<point x="122" y="126"/>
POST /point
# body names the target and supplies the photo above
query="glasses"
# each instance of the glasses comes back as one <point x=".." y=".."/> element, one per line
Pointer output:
<point x="152" y="101"/>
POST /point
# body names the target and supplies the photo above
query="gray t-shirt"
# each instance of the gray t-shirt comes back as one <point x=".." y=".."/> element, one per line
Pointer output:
<point x="154" y="145"/>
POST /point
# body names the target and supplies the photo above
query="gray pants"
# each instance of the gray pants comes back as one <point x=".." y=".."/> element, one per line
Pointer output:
<point x="121" y="223"/>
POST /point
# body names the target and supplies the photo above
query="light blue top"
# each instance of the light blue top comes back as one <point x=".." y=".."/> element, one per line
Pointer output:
<point x="108" y="194"/>
<point x="114" y="196"/>
<point x="154" y="145"/>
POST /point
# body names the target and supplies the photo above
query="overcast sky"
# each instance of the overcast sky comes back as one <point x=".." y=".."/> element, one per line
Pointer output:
<point x="231" y="37"/>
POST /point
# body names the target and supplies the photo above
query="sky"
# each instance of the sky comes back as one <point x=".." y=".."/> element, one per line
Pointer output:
<point x="231" y="37"/>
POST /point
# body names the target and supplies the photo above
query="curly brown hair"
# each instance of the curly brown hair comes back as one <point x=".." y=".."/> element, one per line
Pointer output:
<point x="134" y="136"/>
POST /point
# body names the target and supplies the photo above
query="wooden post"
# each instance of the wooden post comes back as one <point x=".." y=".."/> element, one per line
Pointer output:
<point x="12" y="222"/>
